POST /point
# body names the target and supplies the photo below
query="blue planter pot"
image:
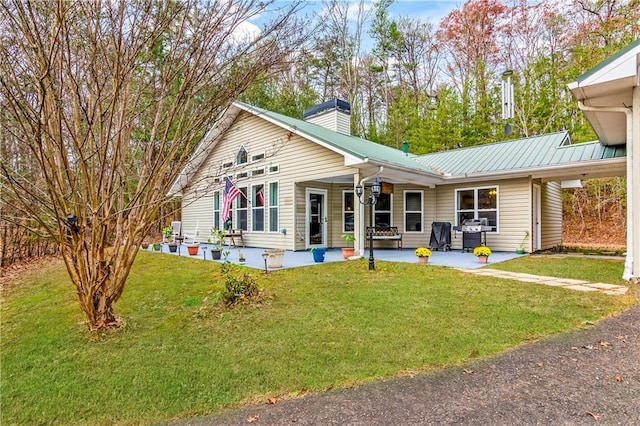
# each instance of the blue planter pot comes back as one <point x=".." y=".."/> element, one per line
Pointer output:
<point x="318" y="254"/>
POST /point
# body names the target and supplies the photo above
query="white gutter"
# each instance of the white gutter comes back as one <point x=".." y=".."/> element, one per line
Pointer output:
<point x="361" y="229"/>
<point x="629" y="271"/>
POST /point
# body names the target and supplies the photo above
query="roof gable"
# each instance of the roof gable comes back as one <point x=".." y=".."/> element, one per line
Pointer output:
<point x="355" y="149"/>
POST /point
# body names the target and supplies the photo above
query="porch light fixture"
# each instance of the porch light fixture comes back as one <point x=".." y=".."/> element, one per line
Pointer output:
<point x="370" y="201"/>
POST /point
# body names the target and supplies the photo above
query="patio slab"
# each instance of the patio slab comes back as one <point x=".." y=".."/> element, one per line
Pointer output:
<point x="294" y="259"/>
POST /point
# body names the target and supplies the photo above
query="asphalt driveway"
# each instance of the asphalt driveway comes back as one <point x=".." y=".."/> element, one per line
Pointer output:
<point x="591" y="376"/>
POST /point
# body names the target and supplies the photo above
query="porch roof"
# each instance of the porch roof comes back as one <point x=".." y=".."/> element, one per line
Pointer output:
<point x="533" y="155"/>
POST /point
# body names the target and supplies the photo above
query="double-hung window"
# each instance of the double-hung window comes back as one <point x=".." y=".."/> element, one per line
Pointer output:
<point x="382" y="211"/>
<point x="413" y="216"/>
<point x="216" y="209"/>
<point x="241" y="209"/>
<point x="273" y="206"/>
<point x="478" y="204"/>
<point x="348" y="211"/>
<point x="257" y="207"/>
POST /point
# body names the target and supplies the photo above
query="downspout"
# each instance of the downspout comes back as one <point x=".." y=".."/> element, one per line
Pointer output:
<point x="628" y="273"/>
<point x="361" y="229"/>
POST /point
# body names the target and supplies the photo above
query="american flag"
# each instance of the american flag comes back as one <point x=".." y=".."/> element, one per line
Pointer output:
<point x="231" y="192"/>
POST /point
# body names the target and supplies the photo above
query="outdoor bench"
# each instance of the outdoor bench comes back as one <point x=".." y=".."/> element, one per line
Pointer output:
<point x="380" y="233"/>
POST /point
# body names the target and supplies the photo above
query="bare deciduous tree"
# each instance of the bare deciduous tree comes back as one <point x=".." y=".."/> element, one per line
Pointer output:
<point x="109" y="99"/>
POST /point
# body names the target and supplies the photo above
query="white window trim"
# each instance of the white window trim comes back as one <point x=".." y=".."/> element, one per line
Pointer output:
<point x="262" y="169"/>
<point x="375" y="210"/>
<point x="268" y="207"/>
<point x="219" y="210"/>
<point x="404" y="209"/>
<point x="270" y="172"/>
<point x="349" y="191"/>
<point x="475" y="203"/>
<point x="254" y="160"/>
<point x="264" y="209"/>
<point x="242" y="148"/>
<point x="239" y="209"/>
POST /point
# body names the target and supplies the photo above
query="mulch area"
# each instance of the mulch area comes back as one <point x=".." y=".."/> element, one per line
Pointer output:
<point x="591" y="376"/>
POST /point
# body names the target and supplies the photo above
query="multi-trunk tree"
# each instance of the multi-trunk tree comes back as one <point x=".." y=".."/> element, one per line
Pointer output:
<point x="107" y="101"/>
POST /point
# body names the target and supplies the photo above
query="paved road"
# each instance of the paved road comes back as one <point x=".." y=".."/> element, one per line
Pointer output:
<point x="587" y="377"/>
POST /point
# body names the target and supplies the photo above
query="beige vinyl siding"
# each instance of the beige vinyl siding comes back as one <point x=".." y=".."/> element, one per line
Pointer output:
<point x="197" y="217"/>
<point x="551" y="215"/>
<point x="297" y="160"/>
<point x="514" y="211"/>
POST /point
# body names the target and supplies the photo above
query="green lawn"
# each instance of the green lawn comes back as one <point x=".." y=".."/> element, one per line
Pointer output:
<point x="321" y="327"/>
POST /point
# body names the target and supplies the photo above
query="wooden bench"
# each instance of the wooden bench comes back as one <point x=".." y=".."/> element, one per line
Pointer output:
<point x="232" y="234"/>
<point x="384" y="234"/>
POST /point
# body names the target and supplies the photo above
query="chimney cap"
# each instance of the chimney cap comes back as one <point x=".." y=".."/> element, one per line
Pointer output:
<point x="337" y="104"/>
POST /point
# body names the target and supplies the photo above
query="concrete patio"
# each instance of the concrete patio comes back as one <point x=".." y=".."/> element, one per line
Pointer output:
<point x="294" y="259"/>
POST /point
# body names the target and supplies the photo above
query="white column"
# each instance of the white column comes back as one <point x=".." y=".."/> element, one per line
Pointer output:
<point x="633" y="187"/>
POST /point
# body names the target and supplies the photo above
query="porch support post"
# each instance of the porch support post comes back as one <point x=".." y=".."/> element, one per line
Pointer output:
<point x="358" y="220"/>
<point x="633" y="188"/>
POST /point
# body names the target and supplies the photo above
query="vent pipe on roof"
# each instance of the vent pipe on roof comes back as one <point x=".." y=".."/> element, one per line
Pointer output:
<point x="334" y="115"/>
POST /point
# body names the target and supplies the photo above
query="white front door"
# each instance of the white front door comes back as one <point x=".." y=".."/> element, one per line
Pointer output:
<point x="316" y="229"/>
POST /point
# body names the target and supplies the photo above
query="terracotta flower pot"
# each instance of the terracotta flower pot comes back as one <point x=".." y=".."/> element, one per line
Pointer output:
<point x="423" y="259"/>
<point x="483" y="259"/>
<point x="193" y="250"/>
<point x="347" y="252"/>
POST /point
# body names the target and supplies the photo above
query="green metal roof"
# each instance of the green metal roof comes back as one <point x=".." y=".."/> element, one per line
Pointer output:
<point x="608" y="61"/>
<point x="549" y="150"/>
<point x="349" y="145"/>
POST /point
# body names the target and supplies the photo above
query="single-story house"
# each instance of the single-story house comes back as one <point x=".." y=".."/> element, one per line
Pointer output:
<point x="297" y="177"/>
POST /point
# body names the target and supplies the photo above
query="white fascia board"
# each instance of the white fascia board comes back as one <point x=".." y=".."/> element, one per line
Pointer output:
<point x="580" y="168"/>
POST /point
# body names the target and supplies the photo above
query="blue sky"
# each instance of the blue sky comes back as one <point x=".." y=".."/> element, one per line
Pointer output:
<point x="422" y="10"/>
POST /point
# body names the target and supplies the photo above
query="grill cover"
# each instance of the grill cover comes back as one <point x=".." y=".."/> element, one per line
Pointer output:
<point x="440" y="236"/>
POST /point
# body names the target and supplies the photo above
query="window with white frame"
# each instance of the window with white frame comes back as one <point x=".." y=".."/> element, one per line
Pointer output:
<point x="257" y="157"/>
<point x="257" y="207"/>
<point x="348" y="211"/>
<point x="382" y="211"/>
<point x="216" y="210"/>
<point x="241" y="157"/>
<point x="274" y="168"/>
<point x="273" y="207"/>
<point x="413" y="215"/>
<point x="478" y="204"/>
<point x="241" y="210"/>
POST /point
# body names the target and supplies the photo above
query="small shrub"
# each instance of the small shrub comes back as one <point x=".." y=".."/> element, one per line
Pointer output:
<point x="239" y="287"/>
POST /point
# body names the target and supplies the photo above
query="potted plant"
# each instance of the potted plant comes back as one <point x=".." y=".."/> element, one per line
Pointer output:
<point x="217" y="239"/>
<point x="482" y="253"/>
<point x="145" y="245"/>
<point x="520" y="249"/>
<point x="157" y="246"/>
<point x="167" y="232"/>
<point x="423" y="254"/>
<point x="347" y="252"/>
<point x="318" y="254"/>
<point x="241" y="257"/>
<point x="193" y="248"/>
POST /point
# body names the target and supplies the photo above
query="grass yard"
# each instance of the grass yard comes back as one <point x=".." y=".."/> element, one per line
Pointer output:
<point x="321" y="327"/>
